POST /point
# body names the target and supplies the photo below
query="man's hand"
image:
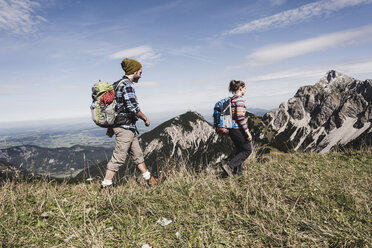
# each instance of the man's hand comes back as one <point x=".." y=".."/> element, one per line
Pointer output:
<point x="110" y="132"/>
<point x="147" y="122"/>
<point x="144" y="118"/>
<point x="249" y="135"/>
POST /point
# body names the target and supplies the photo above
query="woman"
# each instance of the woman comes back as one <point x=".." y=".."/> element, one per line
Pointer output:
<point x="240" y="135"/>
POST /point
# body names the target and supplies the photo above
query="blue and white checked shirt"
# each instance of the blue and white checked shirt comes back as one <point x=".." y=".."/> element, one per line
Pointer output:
<point x="126" y="96"/>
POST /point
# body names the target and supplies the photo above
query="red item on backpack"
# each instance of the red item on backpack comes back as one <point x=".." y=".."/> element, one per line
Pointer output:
<point x="107" y="98"/>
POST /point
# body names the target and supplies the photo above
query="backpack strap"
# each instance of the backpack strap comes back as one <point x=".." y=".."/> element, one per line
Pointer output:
<point x="117" y="83"/>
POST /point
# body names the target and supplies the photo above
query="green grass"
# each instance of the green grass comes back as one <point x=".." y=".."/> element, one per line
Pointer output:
<point x="291" y="200"/>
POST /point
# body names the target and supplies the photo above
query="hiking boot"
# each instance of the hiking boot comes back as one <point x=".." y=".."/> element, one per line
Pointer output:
<point x="107" y="190"/>
<point x="238" y="171"/>
<point x="155" y="181"/>
<point x="227" y="169"/>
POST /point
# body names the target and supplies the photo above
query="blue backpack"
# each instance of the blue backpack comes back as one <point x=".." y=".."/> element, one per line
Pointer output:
<point x="222" y="116"/>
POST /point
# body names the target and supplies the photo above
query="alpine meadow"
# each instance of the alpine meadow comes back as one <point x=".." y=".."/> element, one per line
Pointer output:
<point x="282" y="200"/>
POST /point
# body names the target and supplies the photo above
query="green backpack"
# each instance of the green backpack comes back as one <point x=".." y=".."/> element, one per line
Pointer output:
<point x="103" y="105"/>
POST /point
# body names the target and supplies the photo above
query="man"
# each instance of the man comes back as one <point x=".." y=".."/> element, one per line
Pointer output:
<point x="125" y="129"/>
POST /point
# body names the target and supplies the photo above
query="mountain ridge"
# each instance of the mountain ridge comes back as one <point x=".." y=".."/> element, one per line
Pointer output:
<point x="185" y="141"/>
<point x="42" y="160"/>
<point x="333" y="112"/>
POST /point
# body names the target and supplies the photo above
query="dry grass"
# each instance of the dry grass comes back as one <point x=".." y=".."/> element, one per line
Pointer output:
<point x="291" y="200"/>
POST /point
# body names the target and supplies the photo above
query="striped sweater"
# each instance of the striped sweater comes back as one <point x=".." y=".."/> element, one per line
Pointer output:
<point x="238" y="111"/>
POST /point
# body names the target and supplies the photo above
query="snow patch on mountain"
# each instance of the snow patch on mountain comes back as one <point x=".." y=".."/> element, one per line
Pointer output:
<point x="154" y="145"/>
<point x="333" y="79"/>
<point x="343" y="135"/>
<point x="200" y="132"/>
<point x="316" y="135"/>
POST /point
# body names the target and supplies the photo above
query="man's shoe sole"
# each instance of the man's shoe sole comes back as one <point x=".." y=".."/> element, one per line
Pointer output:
<point x="227" y="169"/>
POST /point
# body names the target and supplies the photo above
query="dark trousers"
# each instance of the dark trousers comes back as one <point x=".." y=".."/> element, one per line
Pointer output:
<point x="243" y="149"/>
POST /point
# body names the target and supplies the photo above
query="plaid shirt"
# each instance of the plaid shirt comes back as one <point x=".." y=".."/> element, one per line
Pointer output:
<point x="126" y="99"/>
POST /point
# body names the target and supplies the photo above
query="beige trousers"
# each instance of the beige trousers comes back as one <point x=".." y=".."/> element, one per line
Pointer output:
<point x="126" y="142"/>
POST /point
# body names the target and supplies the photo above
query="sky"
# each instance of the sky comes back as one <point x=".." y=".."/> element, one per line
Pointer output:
<point x="52" y="52"/>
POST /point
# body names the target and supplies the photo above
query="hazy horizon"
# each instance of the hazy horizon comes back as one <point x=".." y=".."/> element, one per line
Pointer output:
<point x="88" y="120"/>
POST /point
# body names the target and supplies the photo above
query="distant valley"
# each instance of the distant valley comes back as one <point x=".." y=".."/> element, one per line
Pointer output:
<point x="84" y="134"/>
<point x="55" y="162"/>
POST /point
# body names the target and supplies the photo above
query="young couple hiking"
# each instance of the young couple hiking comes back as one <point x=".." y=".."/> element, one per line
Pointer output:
<point x="126" y="131"/>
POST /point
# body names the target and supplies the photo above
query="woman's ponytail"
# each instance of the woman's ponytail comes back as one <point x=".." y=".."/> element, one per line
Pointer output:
<point x="235" y="85"/>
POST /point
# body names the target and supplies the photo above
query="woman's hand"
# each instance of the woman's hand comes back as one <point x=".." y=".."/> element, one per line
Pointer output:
<point x="249" y="135"/>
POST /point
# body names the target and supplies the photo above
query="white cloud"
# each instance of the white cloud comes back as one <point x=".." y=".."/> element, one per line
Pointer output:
<point x="19" y="17"/>
<point x="131" y="52"/>
<point x="294" y="16"/>
<point x="279" y="52"/>
<point x="288" y="74"/>
<point x="147" y="84"/>
<point x="144" y="54"/>
<point x="363" y="67"/>
<point x="277" y="2"/>
<point x="192" y="52"/>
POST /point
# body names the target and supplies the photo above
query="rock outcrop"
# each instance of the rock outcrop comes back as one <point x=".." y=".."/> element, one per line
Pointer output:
<point x="335" y="112"/>
<point x="187" y="138"/>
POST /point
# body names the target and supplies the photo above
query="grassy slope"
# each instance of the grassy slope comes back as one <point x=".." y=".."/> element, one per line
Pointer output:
<point x="292" y="200"/>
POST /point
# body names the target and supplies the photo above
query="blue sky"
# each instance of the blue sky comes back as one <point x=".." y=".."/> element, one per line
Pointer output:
<point x="52" y="52"/>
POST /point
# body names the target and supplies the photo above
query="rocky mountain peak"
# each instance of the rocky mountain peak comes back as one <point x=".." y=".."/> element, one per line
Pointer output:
<point x="334" y="111"/>
<point x="185" y="137"/>
<point x="334" y="78"/>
